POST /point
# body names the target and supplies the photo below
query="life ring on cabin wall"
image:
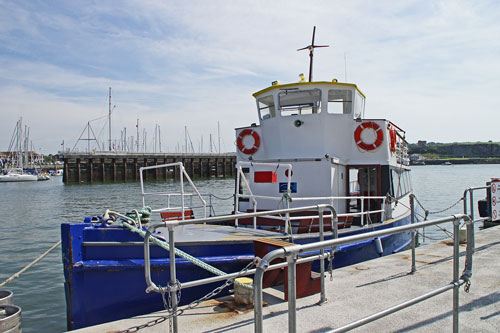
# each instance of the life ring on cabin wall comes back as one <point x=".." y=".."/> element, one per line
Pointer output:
<point x="393" y="136"/>
<point x="368" y="146"/>
<point x="256" y="141"/>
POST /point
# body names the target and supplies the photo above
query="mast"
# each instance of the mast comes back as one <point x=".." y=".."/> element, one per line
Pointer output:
<point x="311" y="51"/>
<point x="109" y="118"/>
<point x="159" y="138"/>
<point x="137" y="127"/>
<point x="218" y="134"/>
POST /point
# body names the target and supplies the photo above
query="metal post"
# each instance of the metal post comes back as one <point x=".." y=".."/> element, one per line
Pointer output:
<point x="471" y="203"/>
<point x="322" y="299"/>
<point x="237" y="192"/>
<point x="173" y="278"/>
<point x="465" y="201"/>
<point x="362" y="210"/>
<point x="210" y="201"/>
<point x="456" y="258"/>
<point x="257" y="292"/>
<point x="292" y="293"/>
<point x="182" y="188"/>
<point x="413" y="252"/>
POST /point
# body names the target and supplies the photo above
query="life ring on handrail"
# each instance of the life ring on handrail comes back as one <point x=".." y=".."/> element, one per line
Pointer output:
<point x="256" y="143"/>
<point x="393" y="136"/>
<point x="368" y="146"/>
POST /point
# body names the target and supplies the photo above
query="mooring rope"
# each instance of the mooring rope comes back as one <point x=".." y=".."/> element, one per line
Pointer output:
<point x="166" y="246"/>
<point x="34" y="262"/>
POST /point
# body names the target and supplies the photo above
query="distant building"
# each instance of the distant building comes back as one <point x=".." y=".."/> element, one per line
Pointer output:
<point x="422" y="143"/>
<point x="416" y="157"/>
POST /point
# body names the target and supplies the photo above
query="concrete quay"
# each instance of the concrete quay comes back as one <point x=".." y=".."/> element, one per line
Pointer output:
<point x="364" y="289"/>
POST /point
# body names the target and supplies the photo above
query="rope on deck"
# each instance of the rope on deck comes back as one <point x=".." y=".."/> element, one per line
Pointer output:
<point x="181" y="253"/>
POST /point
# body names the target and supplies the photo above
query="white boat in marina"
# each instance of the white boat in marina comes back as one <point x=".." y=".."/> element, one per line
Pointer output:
<point x="43" y="176"/>
<point x="20" y="158"/>
<point x="17" y="175"/>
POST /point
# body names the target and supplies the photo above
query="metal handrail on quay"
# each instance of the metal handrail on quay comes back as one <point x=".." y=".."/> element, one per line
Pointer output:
<point x="290" y="253"/>
<point x="174" y="285"/>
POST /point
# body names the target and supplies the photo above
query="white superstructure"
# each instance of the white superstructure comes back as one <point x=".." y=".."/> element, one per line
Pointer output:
<point x="320" y="129"/>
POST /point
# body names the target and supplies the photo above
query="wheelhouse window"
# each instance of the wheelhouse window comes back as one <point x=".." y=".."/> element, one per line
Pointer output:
<point x="266" y="107"/>
<point x="359" y="106"/>
<point x="339" y="101"/>
<point x="298" y="102"/>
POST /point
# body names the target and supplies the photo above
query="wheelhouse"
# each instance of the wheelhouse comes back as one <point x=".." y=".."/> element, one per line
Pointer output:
<point x="336" y="155"/>
<point x="309" y="99"/>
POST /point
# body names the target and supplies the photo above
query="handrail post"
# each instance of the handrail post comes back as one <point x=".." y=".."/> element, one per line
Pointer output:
<point x="456" y="258"/>
<point x="471" y="215"/>
<point x="257" y="287"/>
<point x="237" y="195"/>
<point x="173" y="278"/>
<point x="413" y="251"/>
<point x="292" y="292"/>
<point x="322" y="299"/>
<point x="465" y="201"/>
<point x="182" y="189"/>
<point x="362" y="210"/>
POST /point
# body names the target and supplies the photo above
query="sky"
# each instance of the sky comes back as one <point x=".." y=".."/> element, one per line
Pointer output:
<point x="431" y="67"/>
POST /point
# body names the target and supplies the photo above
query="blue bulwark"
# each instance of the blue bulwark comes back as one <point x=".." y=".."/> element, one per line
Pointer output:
<point x="284" y="186"/>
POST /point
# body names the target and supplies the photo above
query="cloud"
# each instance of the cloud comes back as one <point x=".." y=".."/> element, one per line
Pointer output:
<point x="176" y="64"/>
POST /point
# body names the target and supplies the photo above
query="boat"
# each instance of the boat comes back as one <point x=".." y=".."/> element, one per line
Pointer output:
<point x="43" y="176"/>
<point x="17" y="175"/>
<point x="313" y="147"/>
<point x="15" y="168"/>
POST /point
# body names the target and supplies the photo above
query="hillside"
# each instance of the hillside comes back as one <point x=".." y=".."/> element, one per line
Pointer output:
<point x="434" y="150"/>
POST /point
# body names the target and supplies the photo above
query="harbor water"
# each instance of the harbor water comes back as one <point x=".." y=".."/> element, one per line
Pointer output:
<point x="31" y="214"/>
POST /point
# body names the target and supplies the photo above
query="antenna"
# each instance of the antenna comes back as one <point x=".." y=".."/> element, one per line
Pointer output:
<point x="345" y="67"/>
<point x="311" y="50"/>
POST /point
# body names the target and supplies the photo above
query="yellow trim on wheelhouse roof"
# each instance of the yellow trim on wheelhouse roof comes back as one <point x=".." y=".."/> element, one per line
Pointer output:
<point x="281" y="86"/>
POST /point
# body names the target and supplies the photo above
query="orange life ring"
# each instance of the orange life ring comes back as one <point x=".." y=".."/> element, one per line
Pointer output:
<point x="393" y="136"/>
<point x="256" y="143"/>
<point x="368" y="146"/>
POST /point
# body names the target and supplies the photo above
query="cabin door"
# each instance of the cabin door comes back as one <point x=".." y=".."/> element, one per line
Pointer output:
<point x="364" y="181"/>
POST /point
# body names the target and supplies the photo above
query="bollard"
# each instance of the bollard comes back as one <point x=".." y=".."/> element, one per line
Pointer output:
<point x="10" y="319"/>
<point x="5" y="297"/>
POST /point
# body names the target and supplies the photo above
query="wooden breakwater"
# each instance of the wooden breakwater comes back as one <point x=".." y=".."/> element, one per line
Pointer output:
<point x="119" y="167"/>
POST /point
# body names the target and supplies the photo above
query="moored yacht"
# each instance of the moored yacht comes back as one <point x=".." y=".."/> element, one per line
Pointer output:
<point x="17" y="175"/>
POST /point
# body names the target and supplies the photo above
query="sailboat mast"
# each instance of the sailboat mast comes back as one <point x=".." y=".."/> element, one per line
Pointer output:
<point x="109" y="118"/>
<point x="218" y="134"/>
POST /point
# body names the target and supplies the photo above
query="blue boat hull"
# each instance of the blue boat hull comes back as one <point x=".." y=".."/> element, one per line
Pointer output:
<point x="105" y="283"/>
